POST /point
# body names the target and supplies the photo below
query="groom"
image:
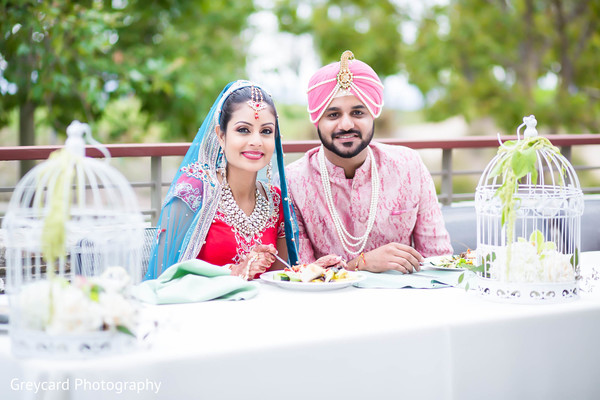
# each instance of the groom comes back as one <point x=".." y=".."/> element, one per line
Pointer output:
<point x="373" y="204"/>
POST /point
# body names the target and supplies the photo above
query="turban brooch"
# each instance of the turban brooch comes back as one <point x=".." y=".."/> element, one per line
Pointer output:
<point x="345" y="78"/>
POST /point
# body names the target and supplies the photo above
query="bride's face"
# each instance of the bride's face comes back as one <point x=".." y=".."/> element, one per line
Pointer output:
<point x="248" y="142"/>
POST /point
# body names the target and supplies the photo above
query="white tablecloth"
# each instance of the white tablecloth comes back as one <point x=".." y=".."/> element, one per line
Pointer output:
<point x="349" y="343"/>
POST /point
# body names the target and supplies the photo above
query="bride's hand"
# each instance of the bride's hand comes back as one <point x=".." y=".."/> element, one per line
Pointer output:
<point x="256" y="262"/>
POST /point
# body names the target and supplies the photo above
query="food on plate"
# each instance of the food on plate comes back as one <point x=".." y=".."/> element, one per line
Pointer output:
<point x="313" y="273"/>
<point x="463" y="260"/>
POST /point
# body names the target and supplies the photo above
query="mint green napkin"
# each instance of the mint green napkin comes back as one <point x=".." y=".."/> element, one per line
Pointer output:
<point x="194" y="281"/>
<point x="428" y="279"/>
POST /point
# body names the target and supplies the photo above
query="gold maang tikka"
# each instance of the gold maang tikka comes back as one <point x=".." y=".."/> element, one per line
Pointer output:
<point x="344" y="77"/>
<point x="256" y="101"/>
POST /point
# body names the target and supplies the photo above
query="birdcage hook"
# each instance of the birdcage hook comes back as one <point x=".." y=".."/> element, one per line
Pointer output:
<point x="530" y="123"/>
<point x="76" y="132"/>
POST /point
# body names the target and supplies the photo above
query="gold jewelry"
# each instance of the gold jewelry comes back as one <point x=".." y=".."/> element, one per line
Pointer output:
<point x="344" y="77"/>
<point x="256" y="101"/>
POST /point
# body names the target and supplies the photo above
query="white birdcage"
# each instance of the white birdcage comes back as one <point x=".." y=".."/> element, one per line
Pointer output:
<point x="529" y="205"/>
<point x="70" y="216"/>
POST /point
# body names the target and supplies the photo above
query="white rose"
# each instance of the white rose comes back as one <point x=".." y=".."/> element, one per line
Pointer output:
<point x="34" y="305"/>
<point x="114" y="279"/>
<point x="73" y="311"/>
<point x="524" y="264"/>
<point x="528" y="266"/>
<point x="117" y="311"/>
<point x="557" y="267"/>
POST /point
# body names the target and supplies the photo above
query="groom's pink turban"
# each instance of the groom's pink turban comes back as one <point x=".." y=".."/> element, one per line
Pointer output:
<point x="344" y="78"/>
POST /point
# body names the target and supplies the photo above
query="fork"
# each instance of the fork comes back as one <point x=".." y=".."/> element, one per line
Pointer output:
<point x="283" y="261"/>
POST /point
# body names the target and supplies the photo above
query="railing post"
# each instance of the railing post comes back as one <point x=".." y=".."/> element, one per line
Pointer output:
<point x="446" y="176"/>
<point x="156" y="187"/>
<point x="566" y="152"/>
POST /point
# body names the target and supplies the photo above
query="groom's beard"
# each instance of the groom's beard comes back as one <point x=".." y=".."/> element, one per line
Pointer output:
<point x="346" y="150"/>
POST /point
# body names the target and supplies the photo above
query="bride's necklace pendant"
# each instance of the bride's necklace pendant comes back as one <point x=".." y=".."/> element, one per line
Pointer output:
<point x="247" y="226"/>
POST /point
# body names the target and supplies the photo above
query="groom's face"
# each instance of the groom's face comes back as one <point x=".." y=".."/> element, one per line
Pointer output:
<point x="346" y="127"/>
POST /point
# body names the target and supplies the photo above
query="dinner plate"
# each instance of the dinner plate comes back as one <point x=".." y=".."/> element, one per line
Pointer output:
<point x="441" y="263"/>
<point x="313" y="286"/>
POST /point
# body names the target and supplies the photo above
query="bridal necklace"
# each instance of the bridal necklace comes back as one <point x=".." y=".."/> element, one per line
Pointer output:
<point x="350" y="242"/>
<point x="248" y="226"/>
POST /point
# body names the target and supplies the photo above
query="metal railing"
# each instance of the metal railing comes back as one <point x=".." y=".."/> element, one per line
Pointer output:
<point x="447" y="172"/>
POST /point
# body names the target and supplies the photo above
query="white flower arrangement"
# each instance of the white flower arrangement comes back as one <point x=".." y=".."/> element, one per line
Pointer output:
<point x="533" y="260"/>
<point x="57" y="306"/>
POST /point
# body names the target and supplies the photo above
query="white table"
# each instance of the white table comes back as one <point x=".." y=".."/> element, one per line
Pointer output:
<point x="351" y="344"/>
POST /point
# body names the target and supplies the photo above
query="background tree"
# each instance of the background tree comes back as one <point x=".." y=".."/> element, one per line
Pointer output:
<point x="74" y="57"/>
<point x="478" y="58"/>
<point x="506" y="59"/>
<point x="370" y="29"/>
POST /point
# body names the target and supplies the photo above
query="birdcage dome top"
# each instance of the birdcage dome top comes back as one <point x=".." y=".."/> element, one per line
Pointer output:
<point x="88" y="188"/>
<point x="71" y="201"/>
<point x="552" y="174"/>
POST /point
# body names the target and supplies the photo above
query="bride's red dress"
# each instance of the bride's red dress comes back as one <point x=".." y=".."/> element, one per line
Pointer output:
<point x="224" y="245"/>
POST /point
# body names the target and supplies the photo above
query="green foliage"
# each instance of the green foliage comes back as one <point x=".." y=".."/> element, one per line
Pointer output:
<point x="518" y="159"/>
<point x="294" y="122"/>
<point x="475" y="58"/>
<point x="480" y="58"/>
<point x="94" y="292"/>
<point x="55" y="221"/>
<point x="370" y="30"/>
<point x="471" y="269"/>
<point x="74" y="57"/>
<point x="125" y="330"/>
<point x="124" y="121"/>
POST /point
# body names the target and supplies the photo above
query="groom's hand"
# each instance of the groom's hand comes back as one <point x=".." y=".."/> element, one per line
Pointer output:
<point x="392" y="256"/>
<point x="331" y="260"/>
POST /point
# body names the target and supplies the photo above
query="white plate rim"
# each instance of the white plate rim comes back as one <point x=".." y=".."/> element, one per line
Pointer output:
<point x="312" y="286"/>
<point x="429" y="262"/>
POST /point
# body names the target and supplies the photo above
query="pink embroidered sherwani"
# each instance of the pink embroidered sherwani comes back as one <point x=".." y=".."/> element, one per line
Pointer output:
<point x="407" y="212"/>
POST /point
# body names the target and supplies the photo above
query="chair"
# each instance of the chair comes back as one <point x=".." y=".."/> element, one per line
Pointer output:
<point x="147" y="246"/>
<point x="461" y="224"/>
<point x="590" y="224"/>
<point x="85" y="258"/>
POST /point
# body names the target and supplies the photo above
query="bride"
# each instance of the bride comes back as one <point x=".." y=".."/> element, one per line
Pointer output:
<point x="216" y="209"/>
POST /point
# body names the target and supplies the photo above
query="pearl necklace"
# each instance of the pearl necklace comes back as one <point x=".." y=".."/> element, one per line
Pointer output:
<point x="248" y="226"/>
<point x="348" y="240"/>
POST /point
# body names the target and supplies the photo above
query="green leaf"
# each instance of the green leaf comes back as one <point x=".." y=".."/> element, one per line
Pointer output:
<point x="575" y="258"/>
<point x="61" y="166"/>
<point x="537" y="238"/>
<point x="498" y="168"/>
<point x="549" y="246"/>
<point x="124" y="329"/>
<point x="95" y="291"/>
<point x="523" y="162"/>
